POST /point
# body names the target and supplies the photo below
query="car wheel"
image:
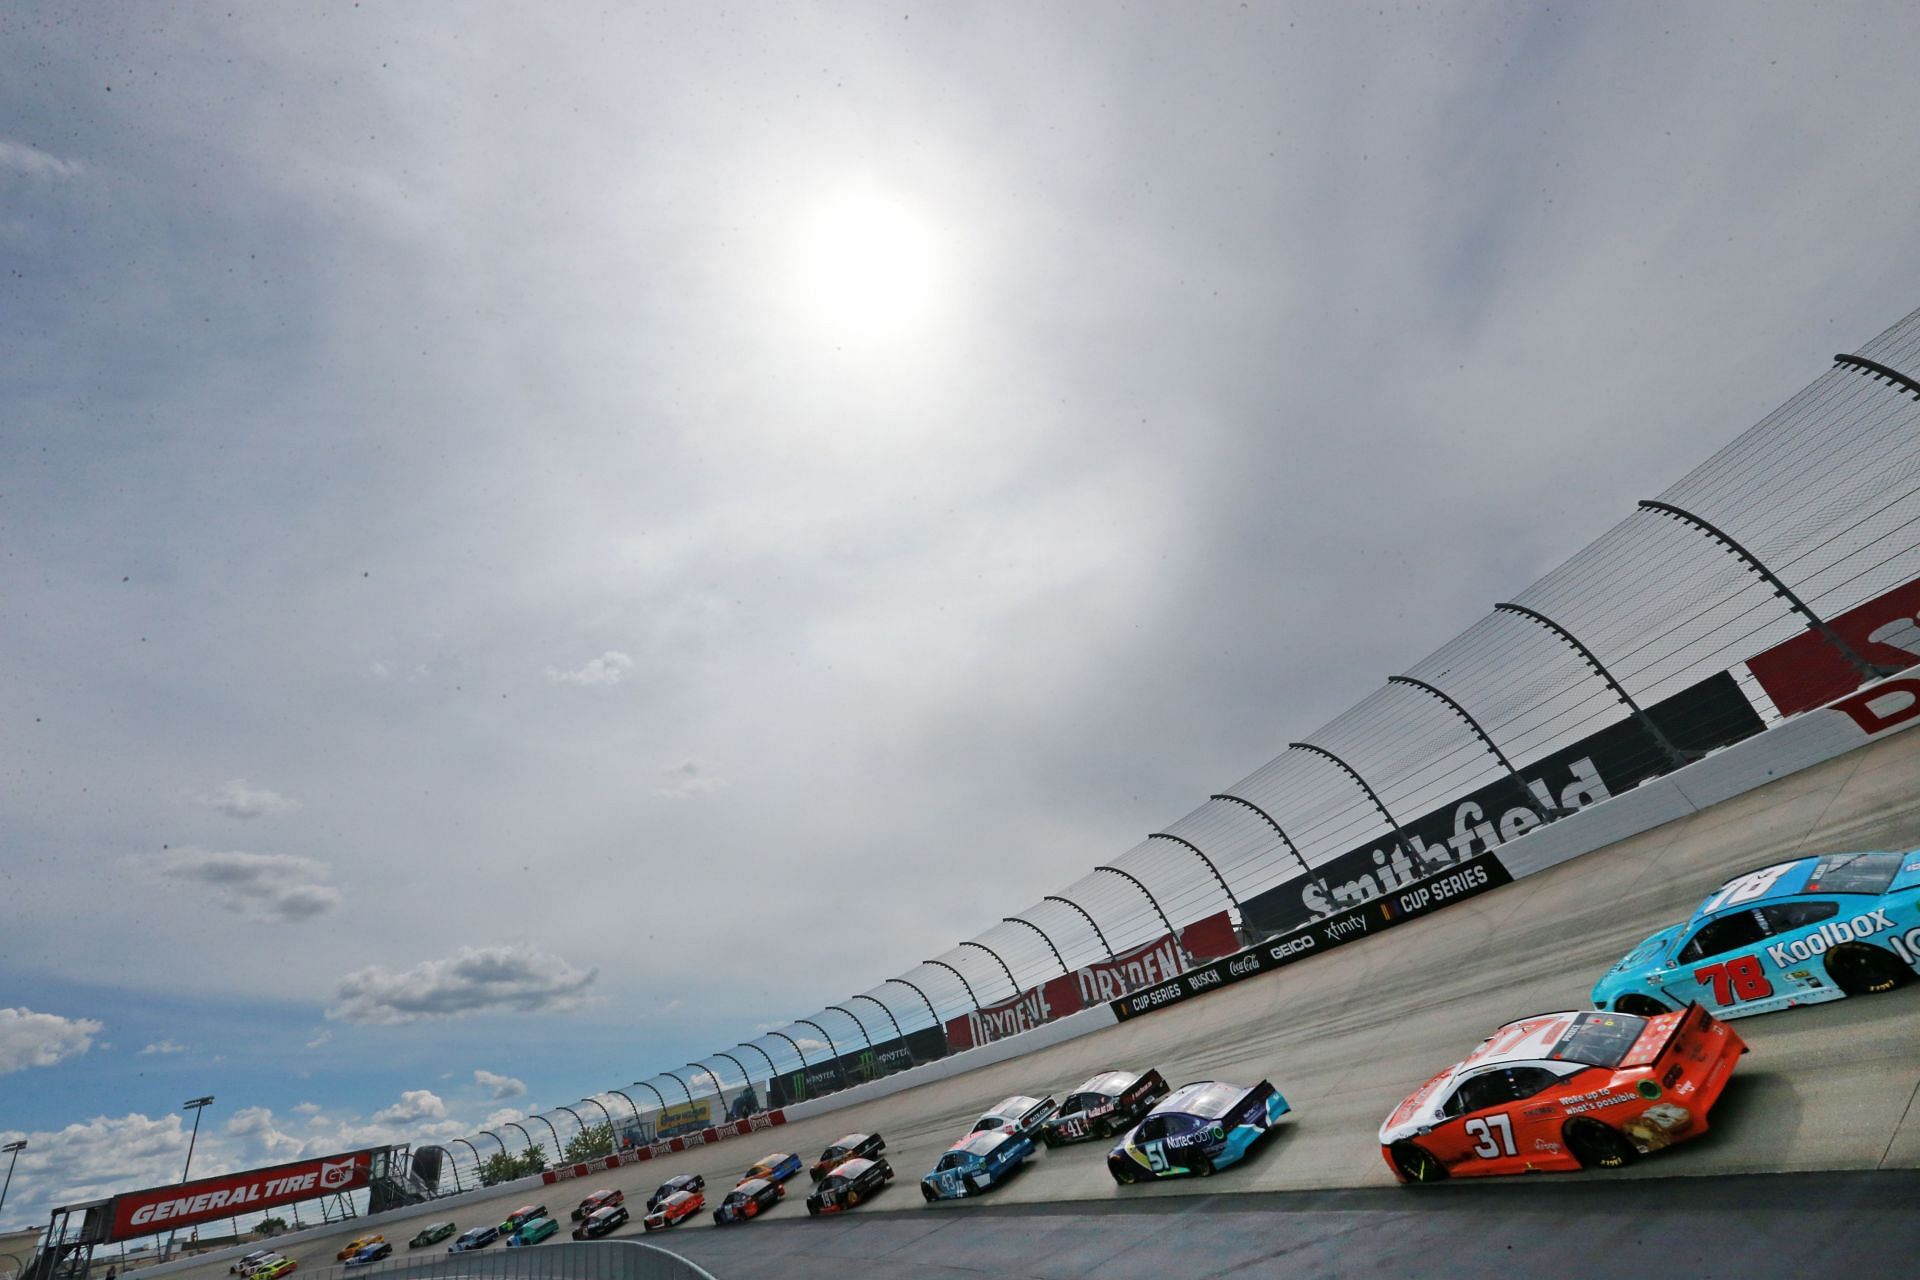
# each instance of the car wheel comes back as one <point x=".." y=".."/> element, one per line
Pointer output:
<point x="1860" y="970"/>
<point x="1121" y="1174"/>
<point x="1414" y="1163"/>
<point x="853" y="1198"/>
<point x="813" y="1210"/>
<point x="1639" y="1006"/>
<point x="1203" y="1169"/>
<point x="1598" y="1146"/>
<point x="1102" y="1130"/>
<point x="926" y="1193"/>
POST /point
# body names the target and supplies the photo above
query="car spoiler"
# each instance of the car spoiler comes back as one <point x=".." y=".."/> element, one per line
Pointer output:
<point x="1664" y="1034"/>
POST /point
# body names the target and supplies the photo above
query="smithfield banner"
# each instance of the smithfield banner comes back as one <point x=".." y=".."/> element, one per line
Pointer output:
<point x="1467" y="879"/>
<point x="1807" y="671"/>
<point x="1616" y="759"/>
<point x="143" y="1213"/>
<point x="1094" y="984"/>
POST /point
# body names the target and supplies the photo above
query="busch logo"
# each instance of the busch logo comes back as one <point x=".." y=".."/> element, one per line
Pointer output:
<point x="336" y="1173"/>
<point x="1829" y="935"/>
<point x="1153" y="963"/>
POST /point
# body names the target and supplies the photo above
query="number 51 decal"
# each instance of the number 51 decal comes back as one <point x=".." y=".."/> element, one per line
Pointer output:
<point x="1494" y="1136"/>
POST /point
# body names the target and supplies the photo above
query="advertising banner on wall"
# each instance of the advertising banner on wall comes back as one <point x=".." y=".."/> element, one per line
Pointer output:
<point x="1808" y="671"/>
<point x="1618" y="758"/>
<point x="1474" y="876"/>
<point x="1096" y="983"/>
<point x="142" y="1213"/>
<point x="857" y="1066"/>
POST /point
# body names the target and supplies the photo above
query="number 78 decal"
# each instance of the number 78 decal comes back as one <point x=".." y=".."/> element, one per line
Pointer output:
<point x="1493" y="1134"/>
<point x="1740" y="978"/>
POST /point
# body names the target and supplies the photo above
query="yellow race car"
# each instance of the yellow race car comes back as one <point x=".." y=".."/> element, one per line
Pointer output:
<point x="356" y="1245"/>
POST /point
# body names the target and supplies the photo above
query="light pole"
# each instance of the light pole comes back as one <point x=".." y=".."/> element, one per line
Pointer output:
<point x="14" y="1149"/>
<point x="195" y="1105"/>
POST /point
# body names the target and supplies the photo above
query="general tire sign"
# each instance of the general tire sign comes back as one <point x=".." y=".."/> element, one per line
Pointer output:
<point x="143" y="1213"/>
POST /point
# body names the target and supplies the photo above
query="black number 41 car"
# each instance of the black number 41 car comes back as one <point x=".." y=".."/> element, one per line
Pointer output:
<point x="849" y="1184"/>
<point x="1112" y="1102"/>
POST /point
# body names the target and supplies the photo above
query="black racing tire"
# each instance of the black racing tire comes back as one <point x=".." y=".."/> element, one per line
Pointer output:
<point x="926" y="1193"/>
<point x="1860" y="969"/>
<point x="1122" y="1176"/>
<point x="1598" y="1146"/>
<point x="1414" y="1163"/>
<point x="1047" y="1139"/>
<point x="1203" y="1168"/>
<point x="1639" y="1006"/>
<point x="813" y="1210"/>
<point x="1101" y="1130"/>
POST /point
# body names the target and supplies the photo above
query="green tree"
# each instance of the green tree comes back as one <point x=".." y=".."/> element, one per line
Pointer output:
<point x="503" y="1166"/>
<point x="590" y="1143"/>
<point x="271" y="1226"/>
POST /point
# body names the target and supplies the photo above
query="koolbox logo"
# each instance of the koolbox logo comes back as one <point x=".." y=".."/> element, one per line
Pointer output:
<point x="1828" y="936"/>
<point x="335" y="1174"/>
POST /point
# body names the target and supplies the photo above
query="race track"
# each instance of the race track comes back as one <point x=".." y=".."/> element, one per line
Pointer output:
<point x="1348" y="1034"/>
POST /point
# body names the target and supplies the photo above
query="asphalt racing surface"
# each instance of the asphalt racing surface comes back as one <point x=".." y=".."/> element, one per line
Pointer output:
<point x="1345" y="1037"/>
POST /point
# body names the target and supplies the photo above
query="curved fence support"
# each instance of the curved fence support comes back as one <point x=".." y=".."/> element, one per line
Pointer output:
<point x="1879" y="370"/>
<point x="630" y="1102"/>
<point x="1864" y="669"/>
<point x="981" y="946"/>
<point x="657" y="1095"/>
<point x="1136" y="882"/>
<point x="1091" y="922"/>
<point x="515" y="1124"/>
<point x="832" y="1048"/>
<point x="1058" y="958"/>
<point x="856" y="1022"/>
<point x="684" y="1088"/>
<point x="745" y="1074"/>
<point x="1399" y="836"/>
<point x="1675" y="756"/>
<point x="603" y="1111"/>
<point x="942" y="964"/>
<point x="931" y="1012"/>
<point x="582" y="1124"/>
<point x="1285" y="839"/>
<point x="772" y="1070"/>
<point x="559" y="1151"/>
<point x="796" y="1047"/>
<point x="1194" y="849"/>
<point x="1528" y="798"/>
<point x="497" y="1138"/>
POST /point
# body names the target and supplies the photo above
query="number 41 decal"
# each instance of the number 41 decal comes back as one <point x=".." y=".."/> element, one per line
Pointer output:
<point x="1740" y="978"/>
<point x="1493" y="1134"/>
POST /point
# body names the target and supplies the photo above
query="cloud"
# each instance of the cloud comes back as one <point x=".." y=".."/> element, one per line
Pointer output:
<point x="162" y="1046"/>
<point x="505" y="1115"/>
<point x="499" y="1087"/>
<point x="610" y="667"/>
<point x="36" y="163"/>
<point x="686" y="780"/>
<point x="29" y="1039"/>
<point x="256" y="1127"/>
<point x="307" y="1109"/>
<point x="414" y="1106"/>
<point x="237" y="800"/>
<point x="263" y="886"/>
<point x="516" y="978"/>
<point x="320" y="1037"/>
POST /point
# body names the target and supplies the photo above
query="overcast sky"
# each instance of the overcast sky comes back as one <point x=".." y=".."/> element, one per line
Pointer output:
<point x="514" y="528"/>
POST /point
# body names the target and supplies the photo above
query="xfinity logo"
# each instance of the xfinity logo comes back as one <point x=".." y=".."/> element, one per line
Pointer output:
<point x="1830" y="934"/>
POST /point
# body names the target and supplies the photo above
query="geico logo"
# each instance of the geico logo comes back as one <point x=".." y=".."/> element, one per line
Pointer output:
<point x="1281" y="950"/>
<point x="1830" y="934"/>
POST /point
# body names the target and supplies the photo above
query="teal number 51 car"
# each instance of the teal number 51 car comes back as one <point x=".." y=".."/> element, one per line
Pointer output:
<point x="1801" y="932"/>
<point x="533" y="1232"/>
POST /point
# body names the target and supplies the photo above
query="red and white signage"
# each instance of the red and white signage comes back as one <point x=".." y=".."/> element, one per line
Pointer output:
<point x="142" y="1213"/>
<point x="1808" y="671"/>
<point x="634" y="1155"/>
<point x="1144" y="966"/>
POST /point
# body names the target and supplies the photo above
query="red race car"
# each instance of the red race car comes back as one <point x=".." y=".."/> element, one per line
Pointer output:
<point x="676" y="1208"/>
<point x="598" y="1200"/>
<point x="1565" y="1091"/>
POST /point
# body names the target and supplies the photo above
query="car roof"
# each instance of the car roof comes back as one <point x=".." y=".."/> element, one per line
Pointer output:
<point x="679" y="1195"/>
<point x="849" y="1140"/>
<point x="981" y="1143"/>
<point x="859" y="1164"/>
<point x="1109" y="1082"/>
<point x="1209" y="1098"/>
<point x="751" y="1185"/>
<point x="1542" y="1032"/>
<point x="1018" y="1104"/>
<point x="1793" y="878"/>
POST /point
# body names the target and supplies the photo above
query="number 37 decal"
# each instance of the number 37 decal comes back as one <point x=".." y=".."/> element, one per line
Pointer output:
<point x="1493" y="1136"/>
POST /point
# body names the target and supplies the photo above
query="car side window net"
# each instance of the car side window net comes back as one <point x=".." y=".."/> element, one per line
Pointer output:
<point x="1741" y="929"/>
<point x="1783" y="916"/>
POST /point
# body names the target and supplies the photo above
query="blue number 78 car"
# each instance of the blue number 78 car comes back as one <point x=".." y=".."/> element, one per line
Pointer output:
<point x="1800" y="932"/>
<point x="975" y="1163"/>
<point x="1196" y="1129"/>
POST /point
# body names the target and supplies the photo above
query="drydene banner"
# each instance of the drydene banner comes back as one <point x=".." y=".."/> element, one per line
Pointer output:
<point x="1807" y="671"/>
<point x="142" y="1213"/>
<point x="1107" y="980"/>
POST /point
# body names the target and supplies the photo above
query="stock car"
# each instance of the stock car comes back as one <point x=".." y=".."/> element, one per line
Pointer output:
<point x="475" y="1238"/>
<point x="849" y="1183"/>
<point x="673" y="1186"/>
<point x="277" y="1268"/>
<point x="981" y="1160"/>
<point x="863" y="1146"/>
<point x="432" y="1233"/>
<point x="371" y="1254"/>
<point x="533" y="1231"/>
<point x="245" y="1265"/>
<point x="777" y="1168"/>
<point x="1018" y="1114"/>
<point x="1800" y="932"/>
<point x="1197" y="1129"/>
<point x="598" y="1200"/>
<point x="1587" y="1089"/>
<point x="355" y="1245"/>
<point x="1109" y="1103"/>
<point x="525" y="1213"/>
<point x="673" y="1210"/>
<point x="260" y="1264"/>
<point x="605" y="1219"/>
<point x="753" y="1197"/>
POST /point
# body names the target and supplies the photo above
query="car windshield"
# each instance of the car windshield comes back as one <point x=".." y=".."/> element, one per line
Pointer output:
<point x="1083" y="1102"/>
<point x="1854" y="873"/>
<point x="952" y="1160"/>
<point x="1598" y="1039"/>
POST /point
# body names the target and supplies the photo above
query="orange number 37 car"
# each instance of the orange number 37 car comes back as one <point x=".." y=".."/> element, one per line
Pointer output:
<point x="1565" y="1091"/>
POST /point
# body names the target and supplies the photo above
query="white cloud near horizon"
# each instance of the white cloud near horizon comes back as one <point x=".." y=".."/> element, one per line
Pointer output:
<point x="29" y="1039"/>
<point x="516" y="978"/>
<point x="499" y="1087"/>
<point x="280" y="887"/>
<point x="238" y="800"/>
